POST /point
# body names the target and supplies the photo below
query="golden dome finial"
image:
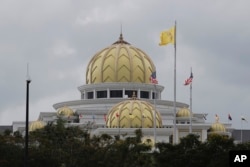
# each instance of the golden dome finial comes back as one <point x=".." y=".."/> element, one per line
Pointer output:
<point x="217" y="118"/>
<point x="134" y="96"/>
<point x="121" y="37"/>
<point x="121" y="41"/>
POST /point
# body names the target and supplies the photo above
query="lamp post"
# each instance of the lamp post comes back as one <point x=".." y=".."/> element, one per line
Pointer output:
<point x="241" y="132"/>
<point x="28" y="80"/>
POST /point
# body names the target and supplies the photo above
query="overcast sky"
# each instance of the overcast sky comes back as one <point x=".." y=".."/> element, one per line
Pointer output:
<point x="58" y="38"/>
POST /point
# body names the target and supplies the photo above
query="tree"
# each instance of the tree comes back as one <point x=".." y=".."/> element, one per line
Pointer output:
<point x="11" y="151"/>
<point x="191" y="152"/>
<point x="58" y="145"/>
<point x="217" y="150"/>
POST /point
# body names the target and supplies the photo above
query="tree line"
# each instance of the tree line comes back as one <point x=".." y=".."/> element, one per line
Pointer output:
<point x="59" y="146"/>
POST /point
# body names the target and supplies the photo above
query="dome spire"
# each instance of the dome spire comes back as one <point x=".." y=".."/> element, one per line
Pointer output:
<point x="121" y="37"/>
<point x="120" y="40"/>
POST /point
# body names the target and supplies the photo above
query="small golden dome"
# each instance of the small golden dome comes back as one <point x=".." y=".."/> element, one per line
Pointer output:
<point x="183" y="112"/>
<point x="36" y="125"/>
<point x="65" y="112"/>
<point x="218" y="127"/>
<point x="133" y="114"/>
<point x="148" y="141"/>
<point x="120" y="62"/>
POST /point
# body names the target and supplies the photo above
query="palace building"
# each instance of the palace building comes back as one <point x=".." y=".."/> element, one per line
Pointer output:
<point x="120" y="96"/>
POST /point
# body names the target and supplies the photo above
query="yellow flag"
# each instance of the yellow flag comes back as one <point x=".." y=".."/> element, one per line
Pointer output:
<point x="167" y="37"/>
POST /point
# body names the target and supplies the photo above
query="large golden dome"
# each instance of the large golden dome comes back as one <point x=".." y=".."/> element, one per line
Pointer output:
<point x="133" y="114"/>
<point x="120" y="62"/>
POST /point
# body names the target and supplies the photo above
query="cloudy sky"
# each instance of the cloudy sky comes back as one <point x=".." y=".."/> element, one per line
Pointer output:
<point x="58" y="38"/>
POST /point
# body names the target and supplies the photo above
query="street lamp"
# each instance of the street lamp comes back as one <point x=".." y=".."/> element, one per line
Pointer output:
<point x="28" y="80"/>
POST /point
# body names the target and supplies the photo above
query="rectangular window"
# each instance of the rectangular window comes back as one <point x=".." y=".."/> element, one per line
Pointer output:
<point x="115" y="93"/>
<point x="102" y="94"/>
<point x="90" y="95"/>
<point x="145" y="94"/>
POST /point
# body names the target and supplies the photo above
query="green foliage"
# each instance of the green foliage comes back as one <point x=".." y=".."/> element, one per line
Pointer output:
<point x="191" y="152"/>
<point x="11" y="150"/>
<point x="57" y="145"/>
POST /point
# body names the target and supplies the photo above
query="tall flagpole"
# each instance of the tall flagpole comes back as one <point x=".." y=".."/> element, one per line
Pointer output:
<point x="166" y="38"/>
<point x="175" y="135"/>
<point x="191" y="114"/>
<point x="154" y="115"/>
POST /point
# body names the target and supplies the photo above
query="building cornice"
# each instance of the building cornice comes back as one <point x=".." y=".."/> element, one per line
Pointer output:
<point x="119" y="85"/>
<point x="112" y="101"/>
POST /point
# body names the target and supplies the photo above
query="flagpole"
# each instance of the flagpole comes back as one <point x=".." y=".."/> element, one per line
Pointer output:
<point x="119" y="125"/>
<point x="174" y="135"/>
<point x="154" y="115"/>
<point x="166" y="38"/>
<point x="191" y="114"/>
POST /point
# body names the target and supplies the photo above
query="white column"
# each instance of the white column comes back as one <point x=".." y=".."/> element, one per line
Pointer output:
<point x="108" y="93"/>
<point x="159" y="95"/>
<point x="156" y="94"/>
<point x="151" y="94"/>
<point x="85" y="94"/>
<point x="94" y="94"/>
<point x="139" y="93"/>
<point x="203" y="135"/>
<point x="123" y="93"/>
<point x="176" y="136"/>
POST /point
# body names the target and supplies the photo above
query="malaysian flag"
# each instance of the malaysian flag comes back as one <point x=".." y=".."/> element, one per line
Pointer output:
<point x="189" y="80"/>
<point x="153" y="79"/>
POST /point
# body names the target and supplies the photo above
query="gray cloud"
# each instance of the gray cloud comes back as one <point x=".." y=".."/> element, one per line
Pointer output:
<point x="58" y="39"/>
